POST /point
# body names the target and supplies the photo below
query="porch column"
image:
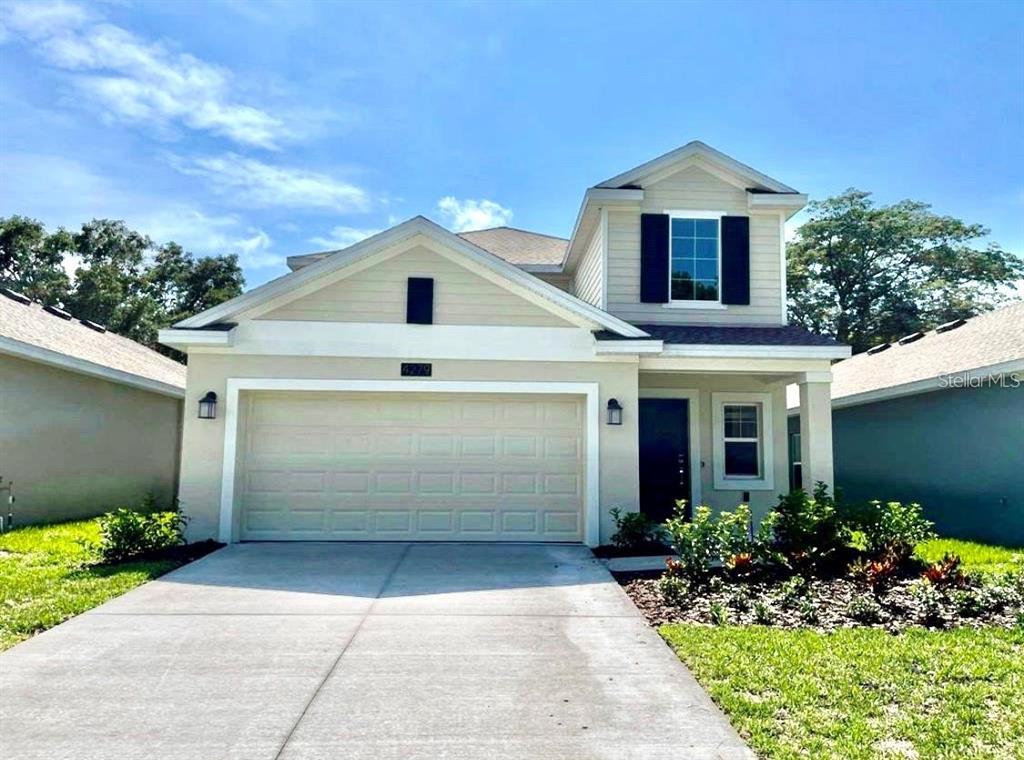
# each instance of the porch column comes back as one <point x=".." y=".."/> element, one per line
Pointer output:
<point x="816" y="429"/>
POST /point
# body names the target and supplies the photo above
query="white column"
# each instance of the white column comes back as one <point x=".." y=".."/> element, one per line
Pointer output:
<point x="816" y="429"/>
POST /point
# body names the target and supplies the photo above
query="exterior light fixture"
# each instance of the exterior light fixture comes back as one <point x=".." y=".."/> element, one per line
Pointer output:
<point x="208" y="406"/>
<point x="614" y="412"/>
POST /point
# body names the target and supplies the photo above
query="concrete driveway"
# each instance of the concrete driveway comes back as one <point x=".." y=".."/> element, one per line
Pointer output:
<point x="361" y="651"/>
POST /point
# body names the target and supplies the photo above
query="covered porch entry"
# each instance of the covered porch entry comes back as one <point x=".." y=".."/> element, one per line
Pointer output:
<point x="714" y="431"/>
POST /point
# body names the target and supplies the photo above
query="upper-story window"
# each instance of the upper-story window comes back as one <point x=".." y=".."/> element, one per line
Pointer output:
<point x="695" y="257"/>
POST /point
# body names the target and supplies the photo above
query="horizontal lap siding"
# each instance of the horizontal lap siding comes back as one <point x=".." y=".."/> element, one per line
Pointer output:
<point x="694" y="189"/>
<point x="377" y="294"/>
<point x="588" y="283"/>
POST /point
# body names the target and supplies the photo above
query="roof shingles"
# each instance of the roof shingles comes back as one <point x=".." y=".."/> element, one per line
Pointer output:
<point x="987" y="340"/>
<point x="31" y="325"/>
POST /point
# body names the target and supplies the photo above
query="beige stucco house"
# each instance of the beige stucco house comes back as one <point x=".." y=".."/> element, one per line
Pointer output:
<point x="89" y="421"/>
<point x="502" y="385"/>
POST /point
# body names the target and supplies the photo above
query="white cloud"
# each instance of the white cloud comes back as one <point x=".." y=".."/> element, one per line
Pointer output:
<point x="207" y="235"/>
<point x="253" y="183"/>
<point x="342" y="237"/>
<point x="138" y="81"/>
<point x="469" y="214"/>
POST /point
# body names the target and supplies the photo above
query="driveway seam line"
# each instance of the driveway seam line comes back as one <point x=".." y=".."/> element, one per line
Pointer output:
<point x="334" y="665"/>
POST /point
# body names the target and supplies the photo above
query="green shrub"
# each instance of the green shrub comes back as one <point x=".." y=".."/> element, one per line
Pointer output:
<point x="792" y="592"/>
<point x="634" y="529"/>
<point x="719" y="615"/>
<point x="929" y="600"/>
<point x="126" y="533"/>
<point x="674" y="590"/>
<point x="763" y="614"/>
<point x="808" y="530"/>
<point x="864" y="609"/>
<point x="695" y="541"/>
<point x="739" y="546"/>
<point x="895" y="528"/>
<point x="967" y="603"/>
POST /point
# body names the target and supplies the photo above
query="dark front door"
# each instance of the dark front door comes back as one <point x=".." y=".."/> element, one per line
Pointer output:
<point x="664" y="456"/>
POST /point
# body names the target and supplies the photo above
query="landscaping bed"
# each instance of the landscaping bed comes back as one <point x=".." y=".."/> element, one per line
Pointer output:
<point x="49" y="573"/>
<point x="831" y="630"/>
<point x="828" y="604"/>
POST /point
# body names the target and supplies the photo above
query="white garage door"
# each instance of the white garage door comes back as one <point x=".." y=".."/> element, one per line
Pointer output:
<point x="398" y="466"/>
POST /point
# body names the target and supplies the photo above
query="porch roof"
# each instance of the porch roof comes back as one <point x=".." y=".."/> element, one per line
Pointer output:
<point x="719" y="335"/>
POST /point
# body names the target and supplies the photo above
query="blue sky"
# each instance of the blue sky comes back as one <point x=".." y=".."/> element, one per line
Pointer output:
<point x="275" y="128"/>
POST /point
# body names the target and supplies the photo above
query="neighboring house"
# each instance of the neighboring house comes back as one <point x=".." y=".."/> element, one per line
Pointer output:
<point x="503" y="385"/>
<point x="937" y="418"/>
<point x="89" y="421"/>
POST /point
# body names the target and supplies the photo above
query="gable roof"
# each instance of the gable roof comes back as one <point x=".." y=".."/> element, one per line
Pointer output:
<point x="519" y="247"/>
<point x="991" y="342"/>
<point x="515" y="277"/>
<point x="695" y="148"/>
<point x="28" y="331"/>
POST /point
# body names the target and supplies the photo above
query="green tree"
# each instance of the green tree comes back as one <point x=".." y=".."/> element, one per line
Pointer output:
<point x="122" y="280"/>
<point x="869" y="274"/>
<point x="31" y="261"/>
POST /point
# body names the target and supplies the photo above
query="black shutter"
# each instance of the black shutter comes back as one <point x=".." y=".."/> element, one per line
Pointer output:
<point x="654" y="258"/>
<point x="419" y="302"/>
<point x="736" y="260"/>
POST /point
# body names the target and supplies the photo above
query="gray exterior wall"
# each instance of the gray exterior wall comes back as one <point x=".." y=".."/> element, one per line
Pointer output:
<point x="958" y="452"/>
<point x="77" y="446"/>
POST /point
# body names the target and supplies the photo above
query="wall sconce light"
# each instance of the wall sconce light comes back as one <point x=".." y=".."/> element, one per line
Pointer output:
<point x="208" y="406"/>
<point x="614" y="412"/>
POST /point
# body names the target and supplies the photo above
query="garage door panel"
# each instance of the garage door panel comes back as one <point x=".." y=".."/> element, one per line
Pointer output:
<point x="382" y="466"/>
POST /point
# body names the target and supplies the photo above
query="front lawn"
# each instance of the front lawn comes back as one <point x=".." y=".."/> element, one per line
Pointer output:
<point x="47" y="576"/>
<point x="863" y="693"/>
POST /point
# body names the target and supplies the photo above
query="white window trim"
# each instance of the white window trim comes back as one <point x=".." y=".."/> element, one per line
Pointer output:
<point x="591" y="508"/>
<point x="694" y="304"/>
<point x="692" y="396"/>
<point x="735" y="483"/>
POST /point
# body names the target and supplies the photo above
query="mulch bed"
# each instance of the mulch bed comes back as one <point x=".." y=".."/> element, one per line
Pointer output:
<point x="647" y="549"/>
<point x="826" y="604"/>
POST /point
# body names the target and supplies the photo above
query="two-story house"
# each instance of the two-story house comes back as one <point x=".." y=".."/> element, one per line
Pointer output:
<point x="503" y="385"/>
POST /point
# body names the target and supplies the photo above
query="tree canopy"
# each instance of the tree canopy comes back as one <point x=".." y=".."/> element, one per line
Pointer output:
<point x="869" y="274"/>
<point x="121" y="278"/>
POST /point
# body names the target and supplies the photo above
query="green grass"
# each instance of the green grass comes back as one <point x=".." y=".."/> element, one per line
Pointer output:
<point x="46" y="577"/>
<point x="977" y="557"/>
<point x="864" y="693"/>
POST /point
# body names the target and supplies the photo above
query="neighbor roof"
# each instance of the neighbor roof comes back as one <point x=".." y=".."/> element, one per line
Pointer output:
<point x="993" y="341"/>
<point x="29" y="331"/>
<point x="519" y="247"/>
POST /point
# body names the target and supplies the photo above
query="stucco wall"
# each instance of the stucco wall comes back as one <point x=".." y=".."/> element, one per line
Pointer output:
<point x="203" y="440"/>
<point x="959" y="452"/>
<point x="77" y="446"/>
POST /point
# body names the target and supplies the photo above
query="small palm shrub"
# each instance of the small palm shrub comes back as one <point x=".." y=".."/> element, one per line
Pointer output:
<point x="126" y="533"/>
<point x="674" y="590"/>
<point x="807" y="530"/>
<point x="634" y="530"/>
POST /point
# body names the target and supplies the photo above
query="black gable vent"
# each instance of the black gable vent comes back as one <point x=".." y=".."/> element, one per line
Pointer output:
<point x="57" y="312"/>
<point x="14" y="295"/>
<point x="879" y="348"/>
<point x="94" y="325"/>
<point x="910" y="338"/>
<point x="950" y="325"/>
